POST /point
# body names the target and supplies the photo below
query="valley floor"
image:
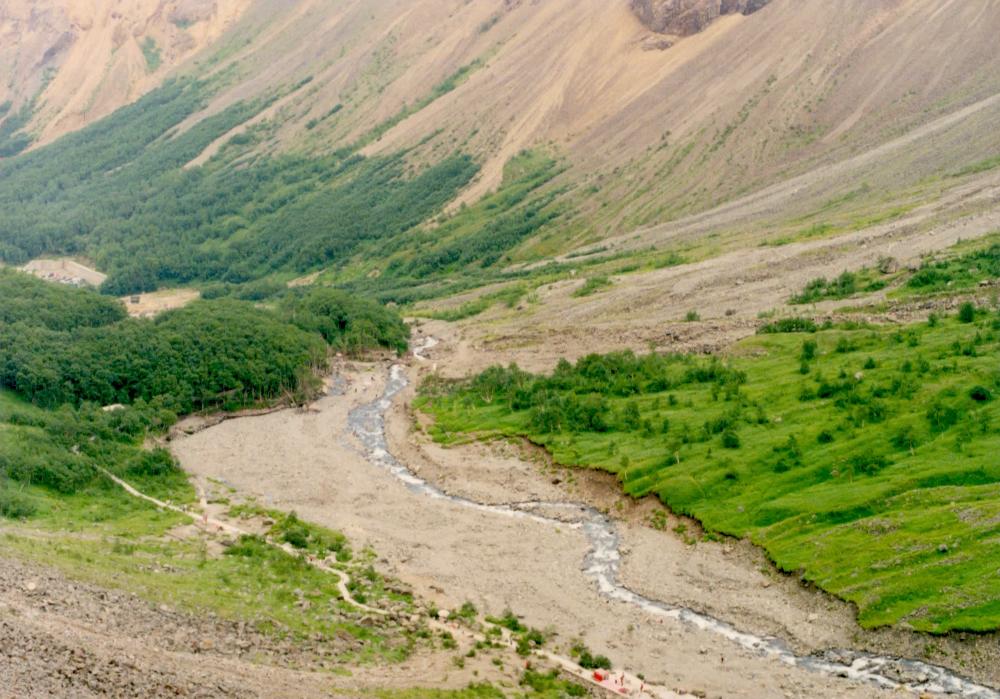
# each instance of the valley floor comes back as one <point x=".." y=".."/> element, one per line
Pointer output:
<point x="308" y="462"/>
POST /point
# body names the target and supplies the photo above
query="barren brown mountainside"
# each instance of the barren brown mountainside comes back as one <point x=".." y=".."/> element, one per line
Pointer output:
<point x="76" y="61"/>
<point x="651" y="129"/>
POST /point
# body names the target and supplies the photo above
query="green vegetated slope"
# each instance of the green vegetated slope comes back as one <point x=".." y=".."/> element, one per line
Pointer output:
<point x="221" y="353"/>
<point x="50" y="482"/>
<point x="534" y="684"/>
<point x="119" y="193"/>
<point x="65" y="352"/>
<point x="469" y="248"/>
<point x="963" y="267"/>
<point x="13" y="139"/>
<point x="864" y="457"/>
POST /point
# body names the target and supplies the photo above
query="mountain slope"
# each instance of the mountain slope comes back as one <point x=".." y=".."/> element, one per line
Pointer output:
<point x="71" y="63"/>
<point x="647" y="130"/>
<point x="726" y="110"/>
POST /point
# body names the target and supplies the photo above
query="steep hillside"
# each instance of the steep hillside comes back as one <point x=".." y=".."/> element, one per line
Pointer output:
<point x="659" y="132"/>
<point x="648" y="119"/>
<point x="70" y="63"/>
<point x="527" y="183"/>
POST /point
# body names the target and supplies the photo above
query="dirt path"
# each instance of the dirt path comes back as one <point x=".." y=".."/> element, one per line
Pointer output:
<point x="449" y="553"/>
<point x="622" y="683"/>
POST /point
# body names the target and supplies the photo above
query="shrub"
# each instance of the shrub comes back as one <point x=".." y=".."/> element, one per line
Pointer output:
<point x="818" y="289"/>
<point x="249" y="546"/>
<point x="868" y="464"/>
<point x="588" y="660"/>
<point x="730" y="440"/>
<point x="981" y="394"/>
<point x="941" y="416"/>
<point x="789" y="325"/>
<point x="631" y="418"/>
<point x="592" y="286"/>
<point x="508" y="621"/>
<point x="468" y="611"/>
<point x="967" y="312"/>
<point x="845" y="346"/>
<point x="15" y="505"/>
<point x="692" y="316"/>
<point x="905" y="438"/>
<point x="550" y="684"/>
<point x="303" y="536"/>
<point x="157" y="462"/>
<point x="593" y="662"/>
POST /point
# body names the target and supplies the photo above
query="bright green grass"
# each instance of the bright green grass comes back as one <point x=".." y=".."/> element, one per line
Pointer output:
<point x="963" y="268"/>
<point x="874" y="474"/>
<point x="592" y="286"/>
<point x="90" y="529"/>
<point x="258" y="585"/>
<point x="533" y="685"/>
<point x="110" y="539"/>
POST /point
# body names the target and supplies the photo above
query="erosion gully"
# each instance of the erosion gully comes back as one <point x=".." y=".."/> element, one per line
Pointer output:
<point x="603" y="561"/>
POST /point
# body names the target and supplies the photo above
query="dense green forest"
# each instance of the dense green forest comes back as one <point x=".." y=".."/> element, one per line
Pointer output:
<point x="863" y="457"/>
<point x="470" y="248"/>
<point x="212" y="353"/>
<point x="118" y="193"/>
<point x="13" y="139"/>
<point x="65" y="353"/>
<point x="34" y="302"/>
<point x="346" y="322"/>
<point x="61" y="345"/>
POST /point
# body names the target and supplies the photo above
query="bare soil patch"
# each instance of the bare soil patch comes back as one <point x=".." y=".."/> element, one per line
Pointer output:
<point x="157" y="302"/>
<point x="65" y="271"/>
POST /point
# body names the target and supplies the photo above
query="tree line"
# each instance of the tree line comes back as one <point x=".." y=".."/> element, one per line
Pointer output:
<point x="78" y="347"/>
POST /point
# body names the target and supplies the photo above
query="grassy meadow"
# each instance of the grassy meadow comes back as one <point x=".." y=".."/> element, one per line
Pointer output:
<point x="861" y="458"/>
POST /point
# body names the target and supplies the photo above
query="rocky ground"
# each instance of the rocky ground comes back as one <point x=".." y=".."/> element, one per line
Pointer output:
<point x="61" y="638"/>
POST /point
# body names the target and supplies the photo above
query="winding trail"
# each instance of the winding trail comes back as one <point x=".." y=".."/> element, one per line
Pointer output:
<point x="602" y="564"/>
<point x="217" y="525"/>
<point x="622" y="683"/>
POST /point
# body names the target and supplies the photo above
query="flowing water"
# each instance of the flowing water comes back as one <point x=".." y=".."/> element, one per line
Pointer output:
<point x="602" y="564"/>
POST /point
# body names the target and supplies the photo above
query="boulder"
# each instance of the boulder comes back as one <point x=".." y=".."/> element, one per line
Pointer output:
<point x="687" y="17"/>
